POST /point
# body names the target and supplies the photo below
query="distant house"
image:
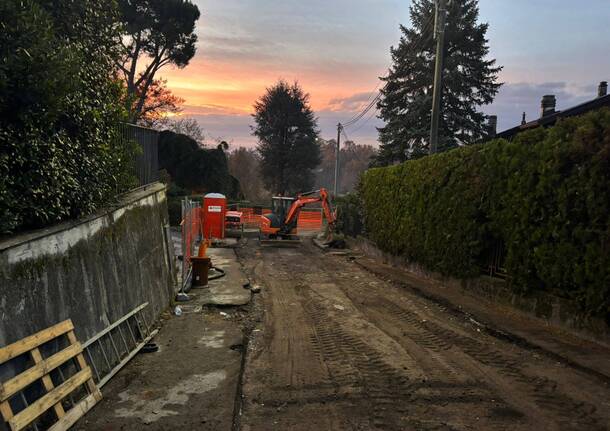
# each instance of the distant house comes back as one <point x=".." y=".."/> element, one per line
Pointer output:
<point x="549" y="115"/>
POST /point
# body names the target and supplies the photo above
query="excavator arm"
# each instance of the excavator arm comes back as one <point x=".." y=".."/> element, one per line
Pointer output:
<point x="276" y="225"/>
<point x="310" y="198"/>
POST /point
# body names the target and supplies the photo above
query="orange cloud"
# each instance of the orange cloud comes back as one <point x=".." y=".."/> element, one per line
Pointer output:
<point x="235" y="87"/>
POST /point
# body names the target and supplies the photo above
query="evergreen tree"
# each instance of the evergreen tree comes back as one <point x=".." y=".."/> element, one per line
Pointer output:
<point x="288" y="139"/>
<point x="470" y="80"/>
<point x="156" y="33"/>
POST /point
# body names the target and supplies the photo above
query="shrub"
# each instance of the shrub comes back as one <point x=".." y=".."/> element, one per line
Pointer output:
<point x="349" y="214"/>
<point x="544" y="196"/>
<point x="174" y="209"/>
<point x="59" y="108"/>
<point x="196" y="169"/>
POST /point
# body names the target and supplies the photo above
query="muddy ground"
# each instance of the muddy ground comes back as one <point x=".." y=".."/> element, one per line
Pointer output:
<point x="338" y="348"/>
<point x="192" y="381"/>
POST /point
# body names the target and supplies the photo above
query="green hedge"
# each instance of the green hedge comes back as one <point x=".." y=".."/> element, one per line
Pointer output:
<point x="196" y="169"/>
<point x="545" y="196"/>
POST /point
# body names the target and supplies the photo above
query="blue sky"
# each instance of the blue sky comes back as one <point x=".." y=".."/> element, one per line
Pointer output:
<point x="337" y="49"/>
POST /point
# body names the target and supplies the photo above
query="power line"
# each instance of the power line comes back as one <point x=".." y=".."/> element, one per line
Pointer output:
<point x="344" y="134"/>
<point x="364" y="112"/>
<point x="365" y="122"/>
<point x="370" y="105"/>
<point x="375" y="91"/>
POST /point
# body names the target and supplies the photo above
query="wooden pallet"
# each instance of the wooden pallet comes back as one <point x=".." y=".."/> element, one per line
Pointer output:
<point x="41" y="371"/>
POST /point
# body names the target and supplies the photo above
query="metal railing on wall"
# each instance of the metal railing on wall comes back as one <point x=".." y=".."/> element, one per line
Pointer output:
<point x="147" y="160"/>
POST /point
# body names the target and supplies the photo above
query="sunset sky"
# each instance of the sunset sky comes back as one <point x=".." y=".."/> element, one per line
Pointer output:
<point x="337" y="49"/>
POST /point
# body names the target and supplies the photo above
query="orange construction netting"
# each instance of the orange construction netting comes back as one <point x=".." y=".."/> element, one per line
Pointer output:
<point x="309" y="220"/>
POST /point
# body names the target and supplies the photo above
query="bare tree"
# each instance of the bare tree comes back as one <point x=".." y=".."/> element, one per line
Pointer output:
<point x="354" y="159"/>
<point x="244" y="164"/>
<point x="185" y="126"/>
<point x="158" y="103"/>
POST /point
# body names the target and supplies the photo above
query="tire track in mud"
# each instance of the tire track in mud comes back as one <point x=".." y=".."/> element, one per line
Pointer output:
<point x="567" y="412"/>
<point x="543" y="391"/>
<point x="472" y="381"/>
<point x="357" y="369"/>
<point x="357" y="373"/>
<point x="395" y="401"/>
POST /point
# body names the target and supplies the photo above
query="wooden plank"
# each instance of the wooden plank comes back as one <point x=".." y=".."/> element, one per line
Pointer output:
<point x="82" y="363"/>
<point x="47" y="382"/>
<point x="5" y="409"/>
<point x="26" y="344"/>
<point x="11" y="387"/>
<point x="40" y="406"/>
<point x="76" y="412"/>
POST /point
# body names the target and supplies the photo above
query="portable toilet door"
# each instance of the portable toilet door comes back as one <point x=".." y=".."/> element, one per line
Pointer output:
<point x="214" y="211"/>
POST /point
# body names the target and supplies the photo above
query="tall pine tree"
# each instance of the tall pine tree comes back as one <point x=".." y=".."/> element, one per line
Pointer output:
<point x="470" y="80"/>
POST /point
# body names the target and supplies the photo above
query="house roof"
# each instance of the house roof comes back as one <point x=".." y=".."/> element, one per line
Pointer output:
<point x="551" y="119"/>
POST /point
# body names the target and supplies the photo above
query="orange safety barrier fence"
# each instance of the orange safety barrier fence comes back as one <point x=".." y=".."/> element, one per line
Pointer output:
<point x="191" y="230"/>
<point x="250" y="219"/>
<point x="309" y="220"/>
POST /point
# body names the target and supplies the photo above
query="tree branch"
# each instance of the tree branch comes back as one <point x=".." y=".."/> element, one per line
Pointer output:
<point x="131" y="86"/>
<point x="152" y="68"/>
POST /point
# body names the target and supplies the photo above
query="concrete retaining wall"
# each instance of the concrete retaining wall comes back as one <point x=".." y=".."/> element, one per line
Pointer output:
<point x="553" y="310"/>
<point x="92" y="271"/>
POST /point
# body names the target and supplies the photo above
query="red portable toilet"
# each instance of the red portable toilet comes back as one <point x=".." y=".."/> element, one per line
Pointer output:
<point x="214" y="210"/>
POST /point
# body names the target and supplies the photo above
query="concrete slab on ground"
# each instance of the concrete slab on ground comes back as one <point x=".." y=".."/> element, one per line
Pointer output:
<point x="189" y="384"/>
<point x="192" y="381"/>
<point x="228" y="290"/>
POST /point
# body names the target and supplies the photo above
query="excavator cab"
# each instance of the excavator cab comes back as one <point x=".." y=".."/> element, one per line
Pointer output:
<point x="280" y="225"/>
<point x="275" y="225"/>
<point x="280" y="206"/>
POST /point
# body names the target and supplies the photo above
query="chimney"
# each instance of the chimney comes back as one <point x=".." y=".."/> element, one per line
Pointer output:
<point x="602" y="90"/>
<point x="493" y="126"/>
<point x="548" y="105"/>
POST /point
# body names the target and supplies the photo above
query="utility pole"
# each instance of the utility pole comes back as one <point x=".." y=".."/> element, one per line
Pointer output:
<point x="339" y="128"/>
<point x="439" y="34"/>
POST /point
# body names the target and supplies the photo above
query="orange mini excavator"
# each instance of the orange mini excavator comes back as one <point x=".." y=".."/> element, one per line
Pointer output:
<point x="280" y="226"/>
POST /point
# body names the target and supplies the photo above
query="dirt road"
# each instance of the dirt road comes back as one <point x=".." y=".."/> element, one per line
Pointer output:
<point x="340" y="349"/>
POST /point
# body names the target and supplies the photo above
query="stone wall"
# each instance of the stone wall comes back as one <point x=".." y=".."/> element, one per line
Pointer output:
<point x="93" y="270"/>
